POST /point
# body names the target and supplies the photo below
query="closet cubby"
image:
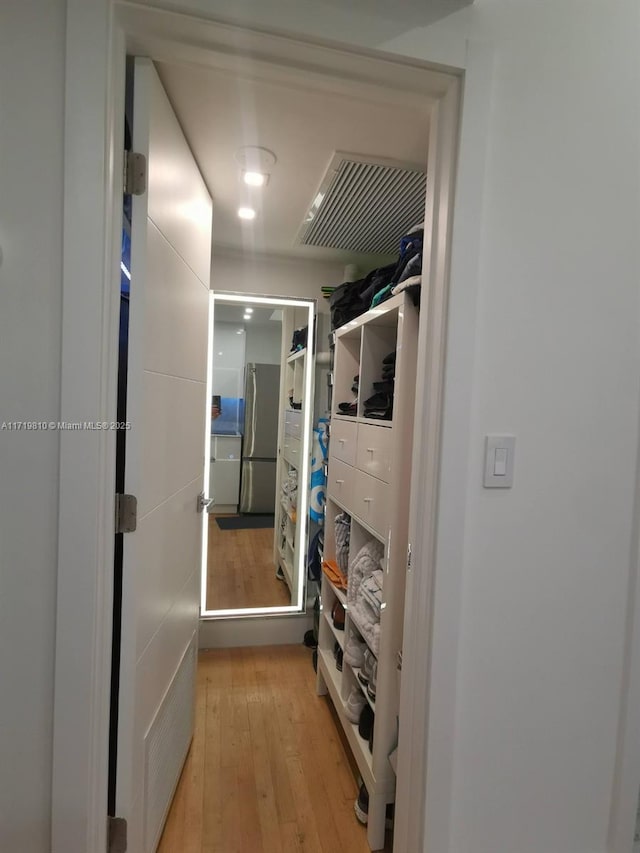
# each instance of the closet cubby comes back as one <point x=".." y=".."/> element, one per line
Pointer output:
<point x="369" y="476"/>
<point x="346" y="368"/>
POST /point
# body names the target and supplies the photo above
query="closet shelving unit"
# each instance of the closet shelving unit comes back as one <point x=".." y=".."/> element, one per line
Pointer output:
<point x="369" y="476"/>
<point x="287" y="540"/>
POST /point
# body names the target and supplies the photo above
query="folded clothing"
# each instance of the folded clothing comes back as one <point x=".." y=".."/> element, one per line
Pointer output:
<point x="342" y="527"/>
<point x="371" y="590"/>
<point x="331" y="570"/>
<point x="367" y="561"/>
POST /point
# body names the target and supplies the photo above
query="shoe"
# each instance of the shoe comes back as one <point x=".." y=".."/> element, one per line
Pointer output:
<point x="337" y="616"/>
<point x="365" y="722"/>
<point x="356" y="703"/>
<point x="354" y="652"/>
<point x="390" y="359"/>
<point x="367" y="668"/>
<point x="379" y="401"/>
<point x="371" y="686"/>
<point x="337" y="653"/>
<point x="361" y="808"/>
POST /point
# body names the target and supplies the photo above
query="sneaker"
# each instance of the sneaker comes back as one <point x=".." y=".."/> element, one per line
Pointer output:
<point x="361" y="805"/>
<point x="354" y="652"/>
<point x="356" y="703"/>
<point x="371" y="686"/>
<point x="361" y="808"/>
<point x="367" y="668"/>
<point x="337" y="653"/>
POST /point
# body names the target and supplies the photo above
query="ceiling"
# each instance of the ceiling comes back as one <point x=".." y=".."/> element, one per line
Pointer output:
<point x="304" y="125"/>
<point x="414" y="13"/>
<point x="234" y="313"/>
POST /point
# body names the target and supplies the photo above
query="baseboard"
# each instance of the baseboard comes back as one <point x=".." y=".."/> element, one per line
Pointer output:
<point x="254" y="631"/>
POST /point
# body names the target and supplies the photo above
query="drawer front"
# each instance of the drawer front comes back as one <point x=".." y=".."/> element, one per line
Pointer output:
<point x="292" y="450"/>
<point x="226" y="446"/>
<point x="371" y="502"/>
<point x="343" y="441"/>
<point x="340" y="482"/>
<point x="293" y="423"/>
<point x="374" y="451"/>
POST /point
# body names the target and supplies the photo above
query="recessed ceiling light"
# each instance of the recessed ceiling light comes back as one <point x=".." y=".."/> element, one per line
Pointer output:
<point x="240" y="332"/>
<point x="246" y="213"/>
<point x="247" y="317"/>
<point x="248" y="310"/>
<point x="255" y="179"/>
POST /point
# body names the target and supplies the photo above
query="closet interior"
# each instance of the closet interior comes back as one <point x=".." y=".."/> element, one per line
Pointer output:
<point x="345" y="230"/>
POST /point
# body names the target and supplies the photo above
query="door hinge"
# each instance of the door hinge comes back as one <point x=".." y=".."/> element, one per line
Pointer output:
<point x="135" y="173"/>
<point x="116" y="835"/>
<point x="409" y="555"/>
<point x="126" y="513"/>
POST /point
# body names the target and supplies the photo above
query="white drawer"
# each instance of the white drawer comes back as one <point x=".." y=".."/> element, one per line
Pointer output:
<point x="292" y="450"/>
<point x="293" y="423"/>
<point x="374" y="451"/>
<point x="371" y="502"/>
<point x="226" y="446"/>
<point x="340" y="482"/>
<point x="343" y="441"/>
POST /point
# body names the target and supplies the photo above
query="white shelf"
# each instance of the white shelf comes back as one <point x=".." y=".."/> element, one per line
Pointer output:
<point x="339" y="635"/>
<point x="296" y="355"/>
<point x="371" y="702"/>
<point x="340" y="594"/>
<point x="286" y="568"/>
<point x="360" y="349"/>
<point x="359" y="746"/>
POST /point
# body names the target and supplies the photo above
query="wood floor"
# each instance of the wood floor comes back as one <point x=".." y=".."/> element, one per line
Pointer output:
<point x="240" y="570"/>
<point x="267" y="771"/>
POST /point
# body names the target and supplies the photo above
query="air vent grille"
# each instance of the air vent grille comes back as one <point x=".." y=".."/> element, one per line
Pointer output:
<point x="365" y="207"/>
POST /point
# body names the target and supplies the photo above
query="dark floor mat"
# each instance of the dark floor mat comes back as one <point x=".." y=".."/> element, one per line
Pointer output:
<point x="244" y="522"/>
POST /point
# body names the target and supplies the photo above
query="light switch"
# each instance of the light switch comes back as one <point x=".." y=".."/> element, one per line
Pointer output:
<point x="498" y="461"/>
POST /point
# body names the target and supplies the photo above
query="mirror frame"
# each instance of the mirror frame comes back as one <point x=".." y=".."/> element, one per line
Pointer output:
<point x="302" y="523"/>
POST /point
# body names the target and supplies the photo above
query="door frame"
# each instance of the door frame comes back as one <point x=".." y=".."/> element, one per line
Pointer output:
<point x="99" y="35"/>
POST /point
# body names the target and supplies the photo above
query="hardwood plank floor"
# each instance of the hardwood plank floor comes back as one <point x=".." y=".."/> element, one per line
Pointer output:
<point x="240" y="570"/>
<point x="267" y="771"/>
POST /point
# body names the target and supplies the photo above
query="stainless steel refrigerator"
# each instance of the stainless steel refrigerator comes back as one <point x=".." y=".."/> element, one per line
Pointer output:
<point x="260" y="439"/>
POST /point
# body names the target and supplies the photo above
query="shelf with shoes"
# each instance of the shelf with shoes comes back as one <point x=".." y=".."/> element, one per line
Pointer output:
<point x="369" y="474"/>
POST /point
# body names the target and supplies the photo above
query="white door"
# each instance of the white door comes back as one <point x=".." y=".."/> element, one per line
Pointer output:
<point x="168" y="327"/>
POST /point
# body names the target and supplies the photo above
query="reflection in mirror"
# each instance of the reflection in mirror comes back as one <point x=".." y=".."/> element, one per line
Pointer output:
<point x="261" y="397"/>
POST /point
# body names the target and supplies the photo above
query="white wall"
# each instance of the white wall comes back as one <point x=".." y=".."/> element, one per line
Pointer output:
<point x="31" y="105"/>
<point x="554" y="350"/>
<point x="543" y="569"/>
<point x="228" y="360"/>
<point x="264" y="343"/>
<point x="271" y="276"/>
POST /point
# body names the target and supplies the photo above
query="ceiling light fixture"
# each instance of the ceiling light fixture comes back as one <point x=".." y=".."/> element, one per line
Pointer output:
<point x="247" y="213"/>
<point x="255" y="179"/>
<point x="248" y="310"/>
<point x="247" y="317"/>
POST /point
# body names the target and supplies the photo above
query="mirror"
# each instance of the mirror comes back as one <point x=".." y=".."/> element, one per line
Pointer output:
<point x="261" y="391"/>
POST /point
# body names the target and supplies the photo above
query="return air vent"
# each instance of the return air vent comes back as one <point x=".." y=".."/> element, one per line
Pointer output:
<point x="365" y="205"/>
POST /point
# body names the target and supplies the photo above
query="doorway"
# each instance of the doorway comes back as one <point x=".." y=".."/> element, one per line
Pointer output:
<point x="441" y="85"/>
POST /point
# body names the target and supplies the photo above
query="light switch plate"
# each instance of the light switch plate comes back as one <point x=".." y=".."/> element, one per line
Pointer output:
<point x="499" y="457"/>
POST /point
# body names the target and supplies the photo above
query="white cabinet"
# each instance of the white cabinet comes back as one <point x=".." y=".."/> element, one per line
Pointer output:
<point x="369" y="478"/>
<point x="224" y="473"/>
